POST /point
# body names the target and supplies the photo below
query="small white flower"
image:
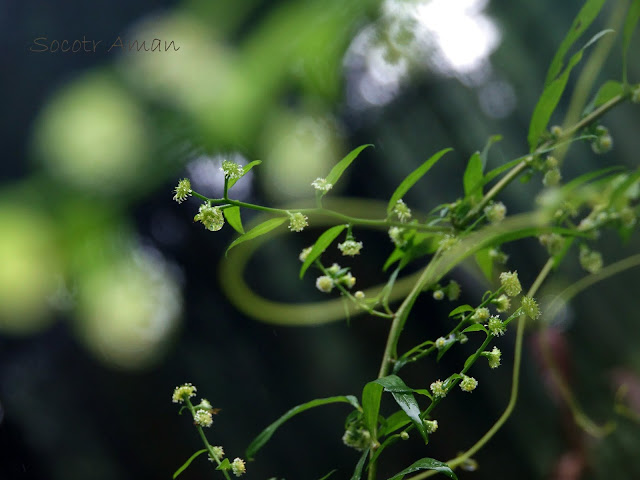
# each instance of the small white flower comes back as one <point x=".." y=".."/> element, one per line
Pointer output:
<point x="321" y="185"/>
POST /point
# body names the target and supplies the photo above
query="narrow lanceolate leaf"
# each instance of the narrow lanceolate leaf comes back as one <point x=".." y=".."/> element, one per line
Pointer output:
<point x="472" y="178"/>
<point x="188" y="462"/>
<point x="633" y="15"/>
<point x="426" y="464"/>
<point x="371" y="394"/>
<point x="403" y="396"/>
<point x="320" y="246"/>
<point x="551" y="96"/>
<point x="232" y="214"/>
<point x="485" y="262"/>
<point x="357" y="472"/>
<point x="583" y="20"/>
<point x="268" y="432"/>
<point x="264" y="227"/>
<point x="394" y="422"/>
<point x="606" y="92"/>
<point x="337" y="171"/>
<point x="329" y="474"/>
<point x="413" y="177"/>
<point x="461" y="309"/>
<point x="246" y="168"/>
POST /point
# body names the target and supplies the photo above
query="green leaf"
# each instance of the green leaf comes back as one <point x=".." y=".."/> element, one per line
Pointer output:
<point x="371" y="394"/>
<point x="396" y="255"/>
<point x="320" y="246"/>
<point x="551" y="96"/>
<point x="485" y="151"/>
<point x="232" y="181"/>
<point x="606" y="92"/>
<point x="426" y="464"/>
<point x="395" y="421"/>
<point x="583" y="20"/>
<point x="224" y="465"/>
<point x="357" y="472"/>
<point x="485" y="262"/>
<point x="633" y="14"/>
<point x="473" y="176"/>
<point x="232" y="214"/>
<point x="337" y="171"/>
<point x="329" y="474"/>
<point x="476" y="327"/>
<point x="268" y="432"/>
<point x="461" y="309"/>
<point x="403" y="396"/>
<point x="264" y="227"/>
<point x="413" y="177"/>
<point x="188" y="462"/>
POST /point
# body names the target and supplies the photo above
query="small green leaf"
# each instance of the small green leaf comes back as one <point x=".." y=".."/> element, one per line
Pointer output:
<point x="320" y="246"/>
<point x="224" y="465"/>
<point x="551" y="96"/>
<point x="583" y="20"/>
<point x="329" y="474"/>
<point x="337" y="171"/>
<point x="485" y="262"/>
<point x="188" y="462"/>
<point x="413" y="177"/>
<point x="403" y="396"/>
<point x="473" y="176"/>
<point x="371" y="394"/>
<point x="426" y="464"/>
<point x="232" y="181"/>
<point x="485" y="151"/>
<point x="268" y="432"/>
<point x="395" y="421"/>
<point x="357" y="472"/>
<point x="396" y="255"/>
<point x="264" y="227"/>
<point x="232" y="214"/>
<point x="606" y="92"/>
<point x="633" y="14"/>
<point x="461" y="309"/>
<point x="476" y="327"/>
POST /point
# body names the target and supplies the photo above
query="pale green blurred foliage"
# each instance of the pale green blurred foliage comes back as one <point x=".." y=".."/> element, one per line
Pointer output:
<point x="297" y="148"/>
<point x="30" y="270"/>
<point x="91" y="135"/>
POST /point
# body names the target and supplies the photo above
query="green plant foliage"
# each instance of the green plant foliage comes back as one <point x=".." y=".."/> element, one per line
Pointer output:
<point x="258" y="231"/>
<point x="320" y="246"/>
<point x="337" y="171"/>
<point x="426" y="464"/>
<point x="188" y="462"/>
<point x="232" y="214"/>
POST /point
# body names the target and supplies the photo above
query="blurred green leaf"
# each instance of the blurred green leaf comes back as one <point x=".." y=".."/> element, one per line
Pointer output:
<point x="473" y="177"/>
<point x="583" y="20"/>
<point x="395" y="421"/>
<point x="606" y="92"/>
<point x="329" y="474"/>
<point x="232" y="214"/>
<point x="627" y="32"/>
<point x="320" y="246"/>
<point x="268" y="432"/>
<point x="551" y="96"/>
<point x="337" y="171"/>
<point x="257" y="231"/>
<point x="413" y="177"/>
<point x="485" y="262"/>
<point x="357" y="473"/>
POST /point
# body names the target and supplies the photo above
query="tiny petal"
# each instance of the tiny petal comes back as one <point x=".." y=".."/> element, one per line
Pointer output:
<point x="321" y="185"/>
<point x="359" y="295"/>
<point x="210" y="217"/>
<point x="402" y="211"/>
<point x="304" y="253"/>
<point x="530" y="307"/>
<point x="468" y="384"/>
<point x="511" y="283"/>
<point x="495" y="212"/>
<point x="438" y="294"/>
<point x="396" y="234"/>
<point x="431" y="425"/>
<point x="183" y="190"/>
<point x="480" y="315"/>
<point x="182" y="392"/>
<point x="496" y="327"/>
<point x="350" y="247"/>
<point x="232" y="170"/>
<point x="238" y="467"/>
<point x="203" y="418"/>
<point x="438" y="390"/>
<point x="324" y="283"/>
<point x="441" y="343"/>
<point x="297" y="222"/>
<point x="348" y="280"/>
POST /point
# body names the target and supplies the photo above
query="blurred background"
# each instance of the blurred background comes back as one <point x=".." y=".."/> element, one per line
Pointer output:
<point x="110" y="295"/>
